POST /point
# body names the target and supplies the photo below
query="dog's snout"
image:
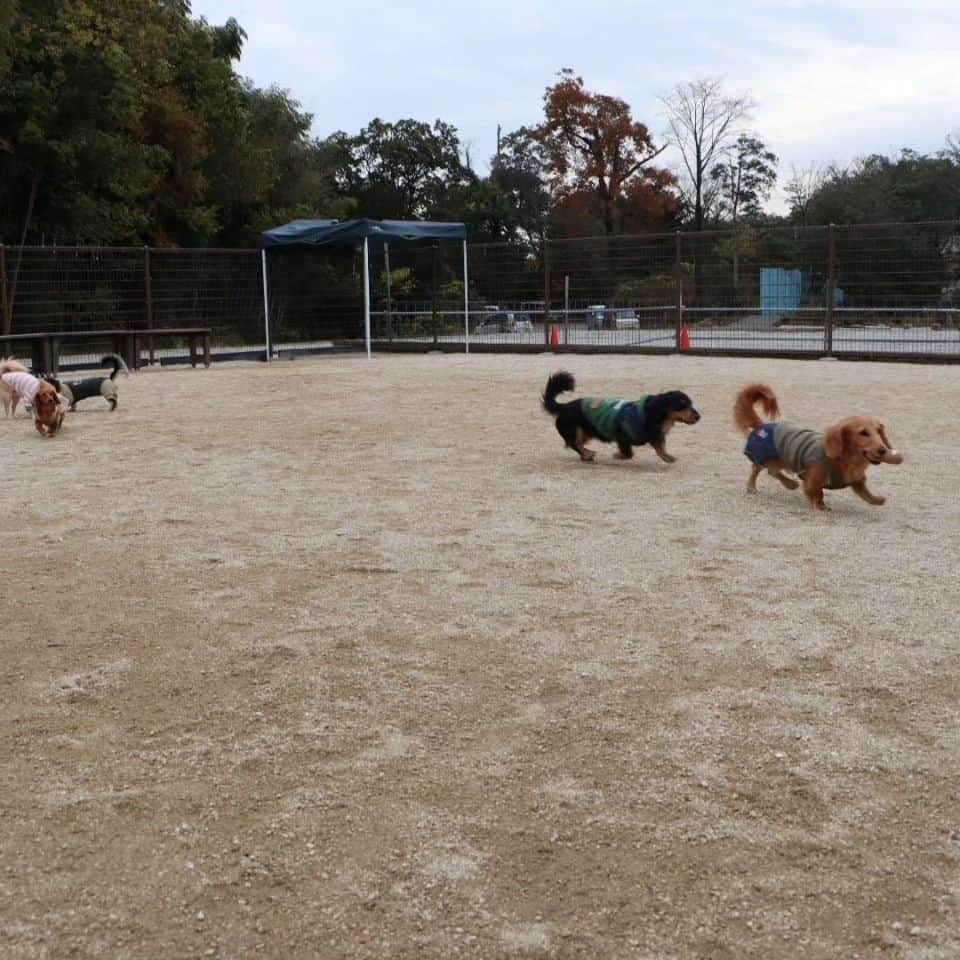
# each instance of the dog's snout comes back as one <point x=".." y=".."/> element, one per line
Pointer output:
<point x="883" y="451"/>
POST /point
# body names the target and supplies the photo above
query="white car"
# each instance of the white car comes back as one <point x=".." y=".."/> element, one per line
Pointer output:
<point x="504" y="321"/>
<point x="599" y="317"/>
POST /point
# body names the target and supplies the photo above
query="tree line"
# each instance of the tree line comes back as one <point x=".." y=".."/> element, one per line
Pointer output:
<point x="127" y="123"/>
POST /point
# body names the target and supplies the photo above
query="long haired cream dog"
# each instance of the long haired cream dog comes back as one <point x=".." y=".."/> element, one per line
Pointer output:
<point x="836" y="459"/>
<point x="49" y="407"/>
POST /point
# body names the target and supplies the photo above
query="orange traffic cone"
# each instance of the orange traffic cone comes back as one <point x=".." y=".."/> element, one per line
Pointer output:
<point x="684" y="336"/>
<point x="554" y="335"/>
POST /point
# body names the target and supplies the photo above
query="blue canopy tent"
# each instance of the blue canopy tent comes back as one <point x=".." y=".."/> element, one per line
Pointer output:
<point x="364" y="233"/>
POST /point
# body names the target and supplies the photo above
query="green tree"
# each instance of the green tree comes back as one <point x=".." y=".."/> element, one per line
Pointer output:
<point x="518" y="200"/>
<point x="126" y="123"/>
<point x="69" y="114"/>
<point x="275" y="170"/>
<point x="512" y="204"/>
<point x="743" y="180"/>
<point x="192" y="107"/>
<point x="110" y="114"/>
<point x="397" y="171"/>
<point x="876" y="189"/>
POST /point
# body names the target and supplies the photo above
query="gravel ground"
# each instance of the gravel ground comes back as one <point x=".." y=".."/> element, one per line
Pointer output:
<point x="347" y="658"/>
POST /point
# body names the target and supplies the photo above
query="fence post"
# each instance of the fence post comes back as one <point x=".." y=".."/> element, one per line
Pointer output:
<point x="546" y="293"/>
<point x="386" y="268"/>
<point x="831" y="285"/>
<point x="4" y="303"/>
<point x="678" y="296"/>
<point x="466" y="299"/>
<point x="148" y="294"/>
<point x="566" y="308"/>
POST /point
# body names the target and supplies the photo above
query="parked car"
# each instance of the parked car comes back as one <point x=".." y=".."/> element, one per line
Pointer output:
<point x="504" y="321"/>
<point x="595" y="316"/>
<point x="622" y="317"/>
<point x="615" y="318"/>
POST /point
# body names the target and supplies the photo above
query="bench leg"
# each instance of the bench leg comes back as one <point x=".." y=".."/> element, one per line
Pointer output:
<point x="193" y="352"/>
<point x="38" y="356"/>
<point x="206" y="351"/>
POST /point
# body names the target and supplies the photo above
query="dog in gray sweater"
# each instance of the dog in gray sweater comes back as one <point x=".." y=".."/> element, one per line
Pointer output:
<point x="106" y="387"/>
<point x="837" y="458"/>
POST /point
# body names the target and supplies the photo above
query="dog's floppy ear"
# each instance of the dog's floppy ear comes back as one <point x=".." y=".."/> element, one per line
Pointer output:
<point x="834" y="439"/>
<point x="882" y="430"/>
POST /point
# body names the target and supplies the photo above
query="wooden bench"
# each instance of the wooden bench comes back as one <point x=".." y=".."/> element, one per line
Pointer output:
<point x="45" y="347"/>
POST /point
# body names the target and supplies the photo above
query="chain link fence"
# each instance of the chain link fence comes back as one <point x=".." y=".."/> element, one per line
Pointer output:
<point x="887" y="290"/>
<point x="88" y="289"/>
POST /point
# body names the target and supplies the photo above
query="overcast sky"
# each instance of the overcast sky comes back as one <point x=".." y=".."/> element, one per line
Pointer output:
<point x="832" y="81"/>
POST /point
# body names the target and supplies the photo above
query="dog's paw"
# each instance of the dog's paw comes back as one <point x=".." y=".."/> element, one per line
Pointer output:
<point x="668" y="458"/>
<point x="878" y="501"/>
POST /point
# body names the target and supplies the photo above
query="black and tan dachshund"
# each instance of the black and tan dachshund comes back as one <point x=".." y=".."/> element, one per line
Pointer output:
<point x="106" y="387"/>
<point x="627" y="423"/>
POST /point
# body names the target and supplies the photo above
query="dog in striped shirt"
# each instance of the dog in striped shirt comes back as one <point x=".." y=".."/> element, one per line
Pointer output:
<point x="49" y="407"/>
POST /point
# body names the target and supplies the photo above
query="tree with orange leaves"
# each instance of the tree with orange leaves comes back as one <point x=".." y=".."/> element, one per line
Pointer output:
<point x="599" y="158"/>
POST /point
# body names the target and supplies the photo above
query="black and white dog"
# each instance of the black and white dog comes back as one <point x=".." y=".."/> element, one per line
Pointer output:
<point x="105" y="387"/>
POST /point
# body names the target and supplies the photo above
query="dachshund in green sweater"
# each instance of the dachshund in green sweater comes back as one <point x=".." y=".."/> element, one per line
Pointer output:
<point x="627" y="423"/>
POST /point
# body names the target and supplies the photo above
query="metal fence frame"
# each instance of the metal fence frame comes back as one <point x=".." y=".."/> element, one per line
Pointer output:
<point x="886" y="291"/>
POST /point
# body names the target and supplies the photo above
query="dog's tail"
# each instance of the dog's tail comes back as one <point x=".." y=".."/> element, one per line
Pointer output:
<point x="9" y="365"/>
<point x="744" y="412"/>
<point x="118" y="364"/>
<point x="558" y="383"/>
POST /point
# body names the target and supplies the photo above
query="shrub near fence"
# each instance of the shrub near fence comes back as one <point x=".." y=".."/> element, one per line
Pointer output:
<point x="887" y="290"/>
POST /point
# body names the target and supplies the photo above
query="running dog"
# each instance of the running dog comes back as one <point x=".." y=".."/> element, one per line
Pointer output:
<point x="627" y="423"/>
<point x="833" y="460"/>
<point x="105" y="387"/>
<point x="49" y="406"/>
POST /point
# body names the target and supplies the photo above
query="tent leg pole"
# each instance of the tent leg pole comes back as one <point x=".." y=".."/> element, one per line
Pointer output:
<point x="366" y="295"/>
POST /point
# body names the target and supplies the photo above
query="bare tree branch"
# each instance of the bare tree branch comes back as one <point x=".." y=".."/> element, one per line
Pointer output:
<point x="703" y="123"/>
<point x="801" y="187"/>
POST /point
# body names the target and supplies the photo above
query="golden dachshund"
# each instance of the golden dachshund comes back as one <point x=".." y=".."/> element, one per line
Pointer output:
<point x="837" y="458"/>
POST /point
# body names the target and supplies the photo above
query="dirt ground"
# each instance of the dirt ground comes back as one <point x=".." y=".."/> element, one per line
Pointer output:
<point x="345" y="658"/>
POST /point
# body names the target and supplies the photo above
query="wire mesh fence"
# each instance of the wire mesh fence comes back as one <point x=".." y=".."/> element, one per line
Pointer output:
<point x="887" y="290"/>
<point x="69" y="290"/>
<point x="416" y="292"/>
<point x="882" y="290"/>
<point x="220" y="289"/>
